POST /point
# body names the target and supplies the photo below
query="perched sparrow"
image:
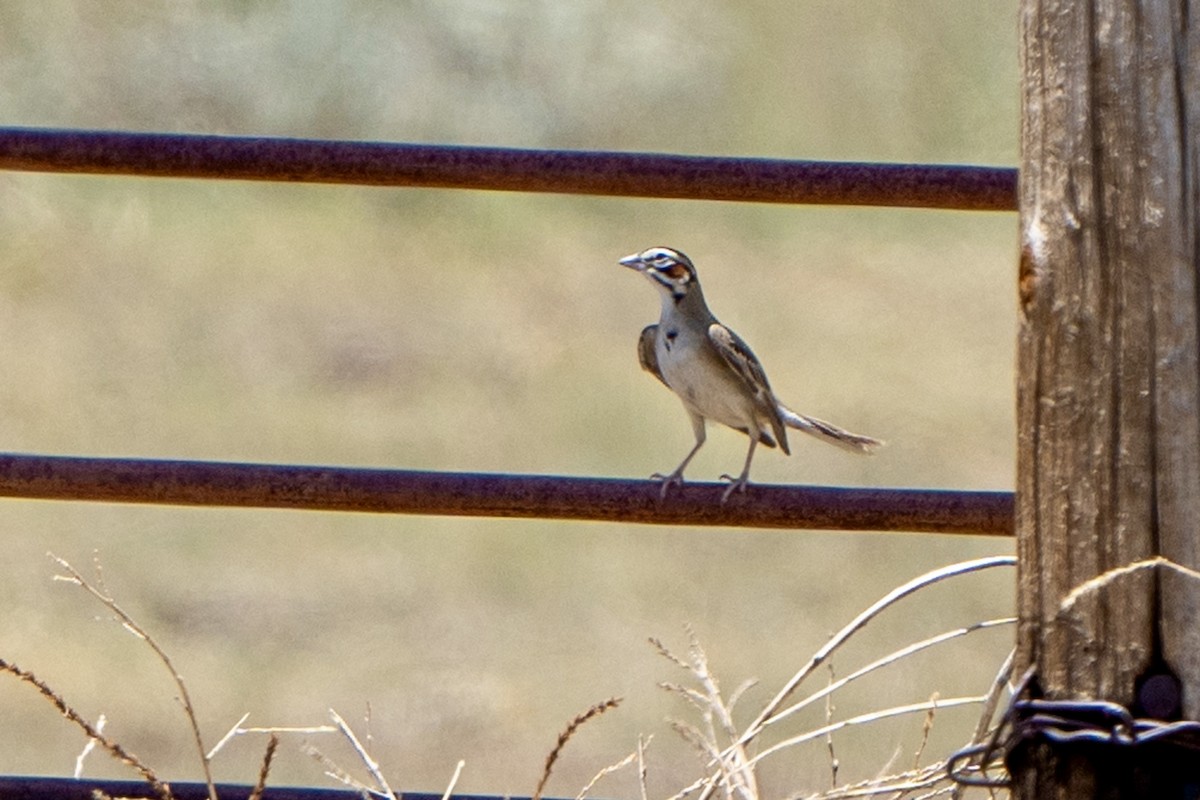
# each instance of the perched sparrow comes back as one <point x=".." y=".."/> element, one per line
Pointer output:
<point x="713" y="371"/>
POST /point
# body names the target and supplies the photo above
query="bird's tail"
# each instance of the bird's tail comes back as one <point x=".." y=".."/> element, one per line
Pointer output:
<point x="828" y="432"/>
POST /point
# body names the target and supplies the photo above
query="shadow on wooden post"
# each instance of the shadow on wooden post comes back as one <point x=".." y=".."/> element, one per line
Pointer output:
<point x="1109" y="381"/>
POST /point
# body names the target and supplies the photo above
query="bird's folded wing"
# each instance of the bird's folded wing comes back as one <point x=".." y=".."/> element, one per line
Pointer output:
<point x="741" y="359"/>
<point x="647" y="356"/>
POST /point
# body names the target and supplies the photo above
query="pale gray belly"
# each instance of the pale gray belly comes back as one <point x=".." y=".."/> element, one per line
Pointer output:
<point x="713" y="392"/>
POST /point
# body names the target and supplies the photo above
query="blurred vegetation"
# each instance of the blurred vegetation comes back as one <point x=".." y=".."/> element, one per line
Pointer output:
<point x="476" y="331"/>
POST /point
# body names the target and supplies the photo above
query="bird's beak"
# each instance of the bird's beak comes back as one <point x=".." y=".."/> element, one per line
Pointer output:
<point x="633" y="262"/>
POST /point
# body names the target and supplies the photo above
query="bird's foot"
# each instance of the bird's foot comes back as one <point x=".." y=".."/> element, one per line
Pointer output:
<point x="667" y="481"/>
<point x="737" y="484"/>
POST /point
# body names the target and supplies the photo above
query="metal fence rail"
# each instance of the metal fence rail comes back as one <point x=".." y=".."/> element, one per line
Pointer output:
<point x="40" y="788"/>
<point x="572" y="172"/>
<point x="207" y="483"/>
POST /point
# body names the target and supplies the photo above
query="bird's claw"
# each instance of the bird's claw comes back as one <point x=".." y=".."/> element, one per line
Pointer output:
<point x="737" y="484"/>
<point x="675" y="478"/>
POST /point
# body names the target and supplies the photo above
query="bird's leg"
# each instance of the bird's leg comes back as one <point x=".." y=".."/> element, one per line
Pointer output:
<point x="739" y="483"/>
<point x="676" y="477"/>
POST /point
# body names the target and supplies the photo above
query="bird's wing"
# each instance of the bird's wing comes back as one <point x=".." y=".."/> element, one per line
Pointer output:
<point x="647" y="356"/>
<point x="742" y="361"/>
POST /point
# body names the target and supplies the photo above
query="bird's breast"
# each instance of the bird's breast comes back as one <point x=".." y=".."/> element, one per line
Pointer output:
<point x="704" y="382"/>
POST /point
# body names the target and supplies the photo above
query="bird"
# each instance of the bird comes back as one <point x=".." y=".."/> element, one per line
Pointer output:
<point x="714" y="372"/>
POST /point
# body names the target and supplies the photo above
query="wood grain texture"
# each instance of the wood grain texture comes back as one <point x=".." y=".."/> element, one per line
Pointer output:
<point x="1109" y="379"/>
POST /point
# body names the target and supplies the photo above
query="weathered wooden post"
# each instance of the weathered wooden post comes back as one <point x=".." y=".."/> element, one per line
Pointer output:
<point x="1109" y="382"/>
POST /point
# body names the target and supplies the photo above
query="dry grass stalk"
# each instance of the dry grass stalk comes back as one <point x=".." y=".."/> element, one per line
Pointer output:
<point x="341" y="775"/>
<point x="932" y="777"/>
<point x="335" y="771"/>
<point x="888" y="660"/>
<point x="95" y="733"/>
<point x="458" y="768"/>
<point x="636" y="755"/>
<point x="731" y="771"/>
<point x="643" y="743"/>
<point x="97" y="591"/>
<point x="925" y="729"/>
<point x="866" y="719"/>
<point x="1102" y="580"/>
<point x="610" y="769"/>
<point x="705" y="783"/>
<point x="833" y="760"/>
<point x="234" y="731"/>
<point x="565" y="737"/>
<point x="162" y="789"/>
<point x="264" y="769"/>
<point x="274" y="730"/>
<point x="988" y="729"/>
<point x="734" y="774"/>
<point x="718" y="739"/>
<point x="840" y="638"/>
<point x="101" y="721"/>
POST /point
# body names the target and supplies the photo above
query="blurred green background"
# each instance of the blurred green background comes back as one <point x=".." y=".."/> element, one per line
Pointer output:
<point x="457" y="330"/>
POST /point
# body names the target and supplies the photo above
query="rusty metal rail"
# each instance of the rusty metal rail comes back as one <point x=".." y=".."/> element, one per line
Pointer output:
<point x="207" y="483"/>
<point x="41" y="788"/>
<point x="655" y="175"/>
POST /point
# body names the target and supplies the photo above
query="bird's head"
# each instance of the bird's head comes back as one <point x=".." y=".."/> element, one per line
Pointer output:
<point x="670" y="270"/>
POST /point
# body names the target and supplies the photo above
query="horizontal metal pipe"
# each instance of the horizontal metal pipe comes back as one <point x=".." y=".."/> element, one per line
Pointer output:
<point x="761" y="180"/>
<point x="207" y="483"/>
<point x="18" y="787"/>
